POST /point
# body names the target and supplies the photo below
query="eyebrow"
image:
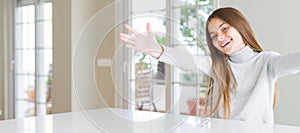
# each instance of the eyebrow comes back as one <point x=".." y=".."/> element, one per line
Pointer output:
<point x="218" y="27"/>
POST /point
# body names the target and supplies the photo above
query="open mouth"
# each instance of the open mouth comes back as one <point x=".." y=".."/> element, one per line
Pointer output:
<point x="225" y="44"/>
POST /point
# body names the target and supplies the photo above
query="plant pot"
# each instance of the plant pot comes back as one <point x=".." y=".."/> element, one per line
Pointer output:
<point x="192" y="105"/>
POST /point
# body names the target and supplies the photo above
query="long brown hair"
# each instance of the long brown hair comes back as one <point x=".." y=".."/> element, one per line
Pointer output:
<point x="222" y="72"/>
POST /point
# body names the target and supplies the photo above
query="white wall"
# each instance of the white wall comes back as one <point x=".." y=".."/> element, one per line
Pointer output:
<point x="1" y="59"/>
<point x="91" y="21"/>
<point x="69" y="19"/>
<point x="4" y="59"/>
<point x="276" y="25"/>
<point x="62" y="56"/>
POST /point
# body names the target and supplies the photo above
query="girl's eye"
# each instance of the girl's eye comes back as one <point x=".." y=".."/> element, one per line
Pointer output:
<point x="225" y="28"/>
<point x="213" y="37"/>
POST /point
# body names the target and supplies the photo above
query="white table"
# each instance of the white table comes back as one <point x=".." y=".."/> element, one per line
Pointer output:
<point x="126" y="121"/>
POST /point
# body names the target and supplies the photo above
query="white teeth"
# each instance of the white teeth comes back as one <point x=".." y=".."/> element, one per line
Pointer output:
<point x="225" y="43"/>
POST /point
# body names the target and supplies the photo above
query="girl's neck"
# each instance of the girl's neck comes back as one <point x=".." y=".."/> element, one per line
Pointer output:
<point x="243" y="55"/>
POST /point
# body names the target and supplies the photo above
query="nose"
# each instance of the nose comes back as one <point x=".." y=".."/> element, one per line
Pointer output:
<point x="220" y="37"/>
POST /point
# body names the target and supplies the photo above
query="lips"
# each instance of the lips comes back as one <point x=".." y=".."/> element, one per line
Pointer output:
<point x="225" y="43"/>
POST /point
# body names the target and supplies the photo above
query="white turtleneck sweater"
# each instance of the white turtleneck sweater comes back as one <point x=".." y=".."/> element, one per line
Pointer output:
<point x="255" y="73"/>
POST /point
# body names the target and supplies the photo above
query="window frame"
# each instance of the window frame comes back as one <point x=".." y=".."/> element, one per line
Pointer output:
<point x="173" y="82"/>
<point x="40" y="103"/>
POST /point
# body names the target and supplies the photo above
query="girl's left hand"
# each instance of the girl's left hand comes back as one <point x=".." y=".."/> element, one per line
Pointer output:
<point x="142" y="43"/>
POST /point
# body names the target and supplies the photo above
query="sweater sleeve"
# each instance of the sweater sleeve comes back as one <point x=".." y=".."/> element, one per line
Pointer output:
<point x="186" y="61"/>
<point x="283" y="65"/>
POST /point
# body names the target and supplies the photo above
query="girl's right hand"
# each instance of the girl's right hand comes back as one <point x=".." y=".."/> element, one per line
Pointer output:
<point x="142" y="43"/>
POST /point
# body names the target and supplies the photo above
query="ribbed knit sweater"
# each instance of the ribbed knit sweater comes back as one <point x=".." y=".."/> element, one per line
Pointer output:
<point x="255" y="72"/>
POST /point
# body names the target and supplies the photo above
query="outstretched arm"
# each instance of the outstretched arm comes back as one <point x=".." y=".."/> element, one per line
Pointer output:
<point x="187" y="61"/>
<point x="286" y="64"/>
<point x="142" y="43"/>
<point x="147" y="44"/>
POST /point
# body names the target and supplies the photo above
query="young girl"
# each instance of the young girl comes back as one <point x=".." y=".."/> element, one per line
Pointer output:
<point x="243" y="75"/>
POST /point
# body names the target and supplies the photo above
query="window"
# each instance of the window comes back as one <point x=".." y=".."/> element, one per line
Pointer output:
<point x="175" y="21"/>
<point x="32" y="57"/>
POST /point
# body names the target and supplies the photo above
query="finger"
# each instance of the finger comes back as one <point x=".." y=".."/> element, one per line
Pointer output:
<point x="125" y="35"/>
<point x="131" y="29"/>
<point x="130" y="46"/>
<point x="127" y="40"/>
<point x="149" y="29"/>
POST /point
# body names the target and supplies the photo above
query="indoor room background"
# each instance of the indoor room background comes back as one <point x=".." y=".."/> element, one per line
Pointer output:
<point x="274" y="22"/>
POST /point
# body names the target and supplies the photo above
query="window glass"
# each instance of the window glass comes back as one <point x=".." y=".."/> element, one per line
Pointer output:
<point x="32" y="57"/>
<point x="186" y="30"/>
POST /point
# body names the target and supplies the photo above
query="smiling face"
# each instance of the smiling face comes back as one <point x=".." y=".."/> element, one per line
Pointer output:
<point x="225" y="37"/>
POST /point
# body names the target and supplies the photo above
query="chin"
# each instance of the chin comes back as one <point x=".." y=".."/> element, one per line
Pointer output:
<point x="227" y="52"/>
